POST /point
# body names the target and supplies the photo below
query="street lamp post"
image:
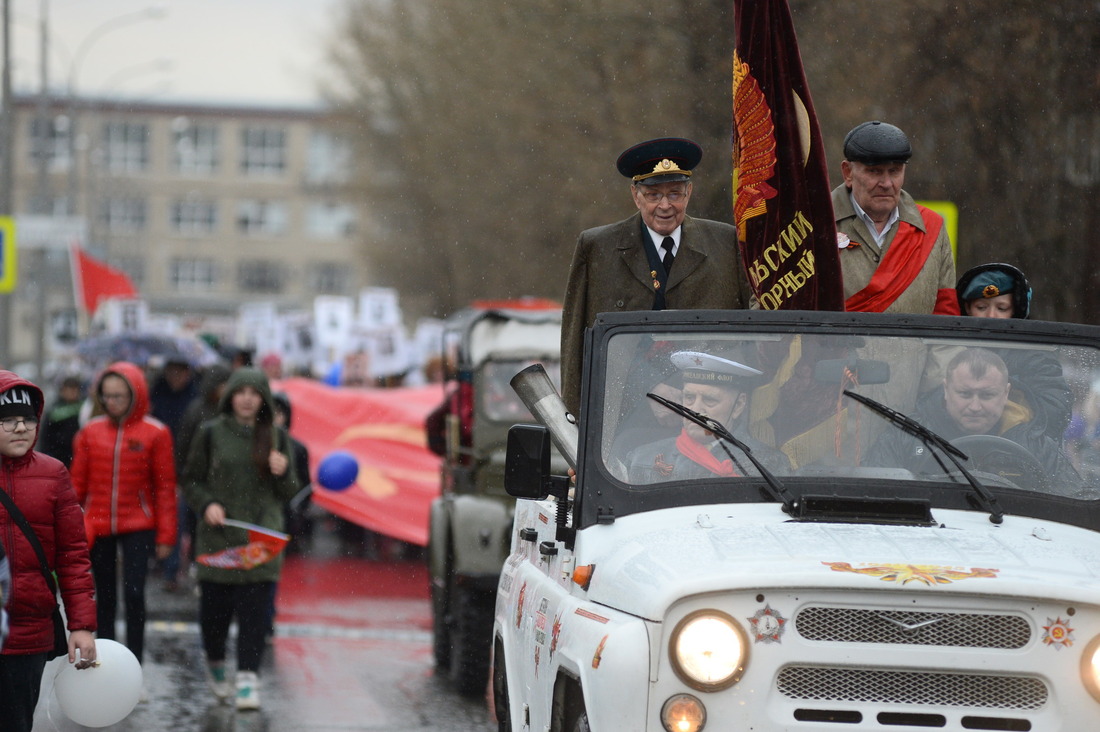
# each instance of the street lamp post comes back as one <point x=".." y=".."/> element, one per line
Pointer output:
<point x="151" y="12"/>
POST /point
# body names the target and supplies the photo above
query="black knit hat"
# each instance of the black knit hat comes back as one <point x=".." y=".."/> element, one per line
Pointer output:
<point x="18" y="401"/>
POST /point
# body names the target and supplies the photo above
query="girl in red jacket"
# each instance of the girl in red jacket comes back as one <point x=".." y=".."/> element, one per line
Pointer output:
<point x="40" y="488"/>
<point x="125" y="478"/>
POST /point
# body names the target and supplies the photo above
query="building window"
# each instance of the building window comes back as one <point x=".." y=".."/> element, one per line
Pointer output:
<point x="263" y="151"/>
<point x="55" y="146"/>
<point x="127" y="147"/>
<point x="330" y="278"/>
<point x="192" y="274"/>
<point x="260" y="275"/>
<point x="330" y="221"/>
<point x="194" y="217"/>
<point x="261" y="218"/>
<point x="195" y="151"/>
<point x="328" y="159"/>
<point x="123" y="215"/>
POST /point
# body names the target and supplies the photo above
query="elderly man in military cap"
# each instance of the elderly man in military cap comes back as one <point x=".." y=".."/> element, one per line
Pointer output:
<point x="895" y="255"/>
<point x="718" y="388"/>
<point x="658" y="258"/>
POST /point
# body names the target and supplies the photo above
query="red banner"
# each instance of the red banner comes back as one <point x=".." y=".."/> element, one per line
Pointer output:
<point x="384" y="430"/>
<point x="94" y="281"/>
<point x="782" y="205"/>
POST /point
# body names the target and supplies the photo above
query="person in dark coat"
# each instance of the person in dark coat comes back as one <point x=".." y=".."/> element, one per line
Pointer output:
<point x="630" y="265"/>
<point x="975" y="400"/>
<point x="999" y="290"/>
<point x="62" y="421"/>
<point x="202" y="407"/>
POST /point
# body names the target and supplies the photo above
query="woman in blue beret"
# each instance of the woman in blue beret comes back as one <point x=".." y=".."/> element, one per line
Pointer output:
<point x="999" y="290"/>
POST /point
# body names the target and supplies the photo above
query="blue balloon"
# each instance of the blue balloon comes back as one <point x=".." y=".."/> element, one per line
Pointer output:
<point x="338" y="470"/>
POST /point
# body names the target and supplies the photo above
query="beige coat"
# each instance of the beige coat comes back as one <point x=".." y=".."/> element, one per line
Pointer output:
<point x="610" y="273"/>
<point x="859" y="262"/>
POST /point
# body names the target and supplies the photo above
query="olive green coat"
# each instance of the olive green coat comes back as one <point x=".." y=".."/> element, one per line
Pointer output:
<point x="611" y="273"/>
<point x="220" y="469"/>
<point x="860" y="262"/>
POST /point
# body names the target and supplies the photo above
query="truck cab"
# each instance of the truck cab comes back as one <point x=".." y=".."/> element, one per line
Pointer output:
<point x="884" y="527"/>
<point x="470" y="523"/>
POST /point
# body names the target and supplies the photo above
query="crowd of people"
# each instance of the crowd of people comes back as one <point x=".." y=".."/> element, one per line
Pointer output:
<point x="111" y="482"/>
<point x="134" y="470"/>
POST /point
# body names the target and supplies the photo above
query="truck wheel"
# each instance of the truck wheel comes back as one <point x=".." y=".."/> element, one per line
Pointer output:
<point x="472" y="635"/>
<point x="441" y="636"/>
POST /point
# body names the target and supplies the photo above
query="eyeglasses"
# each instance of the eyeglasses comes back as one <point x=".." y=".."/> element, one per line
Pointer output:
<point x="673" y="197"/>
<point x="10" y="423"/>
<point x="114" y="397"/>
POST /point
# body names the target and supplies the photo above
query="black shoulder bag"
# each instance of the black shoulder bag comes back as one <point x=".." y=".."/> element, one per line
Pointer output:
<point x="60" y="637"/>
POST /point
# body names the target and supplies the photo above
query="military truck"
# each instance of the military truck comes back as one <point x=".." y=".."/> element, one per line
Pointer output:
<point x="470" y="525"/>
<point x="854" y="521"/>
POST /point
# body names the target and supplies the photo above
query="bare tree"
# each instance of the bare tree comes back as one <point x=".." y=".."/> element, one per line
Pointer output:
<point x="487" y="132"/>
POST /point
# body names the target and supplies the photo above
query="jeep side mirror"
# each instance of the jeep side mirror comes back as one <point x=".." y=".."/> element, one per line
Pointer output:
<point x="527" y="465"/>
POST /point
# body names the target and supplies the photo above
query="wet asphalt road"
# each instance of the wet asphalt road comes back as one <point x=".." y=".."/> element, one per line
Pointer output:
<point x="352" y="652"/>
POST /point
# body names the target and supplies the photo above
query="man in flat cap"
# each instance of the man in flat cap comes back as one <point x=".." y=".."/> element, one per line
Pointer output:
<point x="716" y="387"/>
<point x="630" y="265"/>
<point x="895" y="255"/>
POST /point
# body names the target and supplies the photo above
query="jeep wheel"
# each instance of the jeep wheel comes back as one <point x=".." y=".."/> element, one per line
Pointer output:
<point x="441" y="636"/>
<point x="471" y="634"/>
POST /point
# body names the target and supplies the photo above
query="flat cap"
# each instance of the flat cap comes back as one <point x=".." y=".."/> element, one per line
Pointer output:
<point x="699" y="367"/>
<point x="664" y="160"/>
<point x="876" y="143"/>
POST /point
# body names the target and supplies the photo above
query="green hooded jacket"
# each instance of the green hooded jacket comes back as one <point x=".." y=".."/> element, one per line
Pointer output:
<point x="220" y="469"/>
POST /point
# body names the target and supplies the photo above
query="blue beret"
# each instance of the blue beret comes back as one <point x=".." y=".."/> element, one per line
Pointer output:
<point x="988" y="284"/>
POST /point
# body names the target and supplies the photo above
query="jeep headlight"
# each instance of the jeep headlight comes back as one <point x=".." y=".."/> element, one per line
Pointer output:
<point x="1090" y="668"/>
<point x="708" y="650"/>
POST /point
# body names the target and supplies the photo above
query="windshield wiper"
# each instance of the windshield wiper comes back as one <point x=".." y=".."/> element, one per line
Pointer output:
<point x="776" y="489"/>
<point x="931" y="440"/>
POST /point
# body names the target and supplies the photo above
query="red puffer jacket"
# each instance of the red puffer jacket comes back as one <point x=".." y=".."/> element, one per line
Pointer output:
<point x="40" y="486"/>
<point x="123" y="472"/>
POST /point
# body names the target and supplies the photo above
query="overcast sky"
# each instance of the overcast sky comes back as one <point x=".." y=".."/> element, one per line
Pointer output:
<point x="251" y="51"/>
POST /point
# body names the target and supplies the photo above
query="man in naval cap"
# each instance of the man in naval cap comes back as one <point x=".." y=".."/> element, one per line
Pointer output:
<point x="895" y="254"/>
<point x="659" y="258"/>
<point x="718" y="388"/>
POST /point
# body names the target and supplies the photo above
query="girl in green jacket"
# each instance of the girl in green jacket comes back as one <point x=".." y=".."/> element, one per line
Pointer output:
<point x="239" y="467"/>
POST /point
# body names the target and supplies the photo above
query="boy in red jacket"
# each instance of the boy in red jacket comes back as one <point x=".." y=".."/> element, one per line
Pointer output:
<point x="125" y="477"/>
<point x="40" y="488"/>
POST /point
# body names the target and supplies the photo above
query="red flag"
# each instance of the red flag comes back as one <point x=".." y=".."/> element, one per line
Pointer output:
<point x="385" y="430"/>
<point x="94" y="281"/>
<point x="782" y="205"/>
<point x="263" y="546"/>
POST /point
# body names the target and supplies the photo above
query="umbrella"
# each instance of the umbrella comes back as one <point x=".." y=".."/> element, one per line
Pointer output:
<point x="141" y="348"/>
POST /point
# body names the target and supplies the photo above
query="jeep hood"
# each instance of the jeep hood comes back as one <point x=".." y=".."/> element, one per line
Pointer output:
<point x="646" y="562"/>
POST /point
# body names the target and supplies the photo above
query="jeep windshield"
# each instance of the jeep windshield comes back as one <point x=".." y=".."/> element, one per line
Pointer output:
<point x="845" y="405"/>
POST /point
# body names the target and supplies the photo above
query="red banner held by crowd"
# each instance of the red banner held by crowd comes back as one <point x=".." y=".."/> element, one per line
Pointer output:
<point x="782" y="206"/>
<point x="384" y="429"/>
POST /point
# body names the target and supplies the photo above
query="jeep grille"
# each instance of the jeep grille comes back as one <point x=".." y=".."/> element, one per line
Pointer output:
<point x="911" y="687"/>
<point x="960" y="630"/>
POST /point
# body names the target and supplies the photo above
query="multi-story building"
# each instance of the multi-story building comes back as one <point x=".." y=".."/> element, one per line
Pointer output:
<point x="204" y="207"/>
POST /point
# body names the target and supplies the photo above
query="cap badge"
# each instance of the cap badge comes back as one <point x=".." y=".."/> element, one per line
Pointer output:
<point x="990" y="291"/>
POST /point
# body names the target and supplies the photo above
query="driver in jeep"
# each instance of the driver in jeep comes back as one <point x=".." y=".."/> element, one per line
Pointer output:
<point x="974" y="401"/>
<point x="717" y="388"/>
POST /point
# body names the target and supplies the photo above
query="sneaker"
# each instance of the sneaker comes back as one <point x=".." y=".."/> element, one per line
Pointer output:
<point x="248" y="693"/>
<point x="219" y="684"/>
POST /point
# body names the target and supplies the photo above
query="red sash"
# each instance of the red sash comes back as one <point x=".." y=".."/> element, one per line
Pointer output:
<point x="695" y="452"/>
<point x="904" y="260"/>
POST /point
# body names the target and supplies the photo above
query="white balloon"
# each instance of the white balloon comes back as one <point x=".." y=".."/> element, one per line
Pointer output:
<point x="104" y="694"/>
